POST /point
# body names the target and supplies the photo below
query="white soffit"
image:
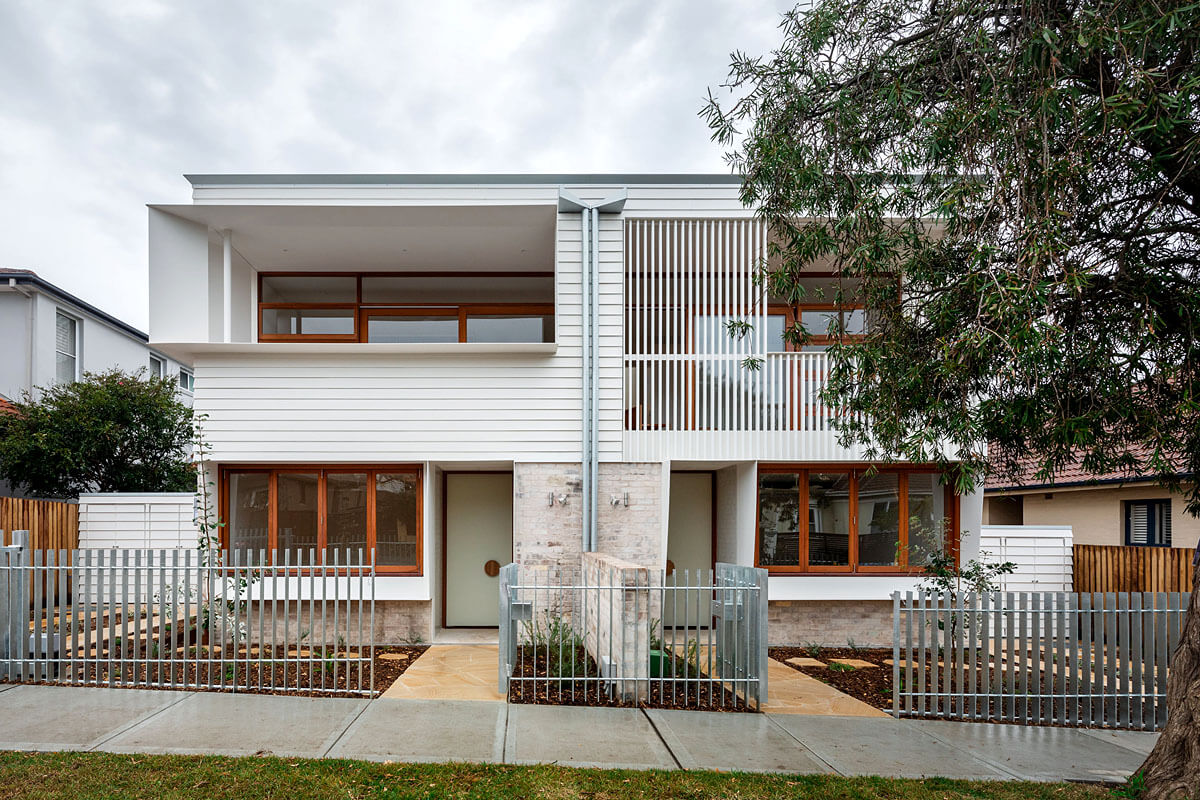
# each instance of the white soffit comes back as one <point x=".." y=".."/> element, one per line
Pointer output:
<point x="500" y="238"/>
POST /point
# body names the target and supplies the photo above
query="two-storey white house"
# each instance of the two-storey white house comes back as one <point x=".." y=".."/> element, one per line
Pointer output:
<point x="465" y="370"/>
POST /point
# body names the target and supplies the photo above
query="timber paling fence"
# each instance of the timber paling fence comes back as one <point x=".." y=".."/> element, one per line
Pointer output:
<point x="627" y="635"/>
<point x="1051" y="658"/>
<point x="235" y="621"/>
<point x="1119" y="568"/>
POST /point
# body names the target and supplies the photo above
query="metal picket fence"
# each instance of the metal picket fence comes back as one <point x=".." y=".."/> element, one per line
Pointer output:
<point x="1060" y="658"/>
<point x="633" y="636"/>
<point x="283" y="622"/>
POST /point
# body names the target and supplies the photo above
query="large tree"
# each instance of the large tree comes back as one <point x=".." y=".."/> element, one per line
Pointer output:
<point x="1013" y="191"/>
<point x="110" y="432"/>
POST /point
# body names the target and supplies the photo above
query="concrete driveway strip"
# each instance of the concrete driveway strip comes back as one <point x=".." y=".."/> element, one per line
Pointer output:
<point x="584" y="737"/>
<point x="70" y="718"/>
<point x="242" y="724"/>
<point x="884" y="746"/>
<point x="1037" y="753"/>
<point x="426" y="730"/>
<point x="747" y="742"/>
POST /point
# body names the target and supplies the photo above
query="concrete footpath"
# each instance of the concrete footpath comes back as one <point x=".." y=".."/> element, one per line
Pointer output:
<point x="385" y="729"/>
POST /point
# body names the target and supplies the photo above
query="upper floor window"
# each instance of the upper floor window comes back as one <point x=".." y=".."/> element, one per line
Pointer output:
<point x="187" y="381"/>
<point x="1148" y="523"/>
<point x="825" y="323"/>
<point x="66" y="348"/>
<point x="157" y="367"/>
<point x="409" y="308"/>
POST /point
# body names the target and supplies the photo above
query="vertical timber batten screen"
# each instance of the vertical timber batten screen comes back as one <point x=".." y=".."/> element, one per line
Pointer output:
<point x="626" y="635"/>
<point x="299" y="621"/>
<point x="1053" y="658"/>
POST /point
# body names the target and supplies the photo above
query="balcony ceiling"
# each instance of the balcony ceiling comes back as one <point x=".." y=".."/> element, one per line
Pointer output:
<point x="384" y="238"/>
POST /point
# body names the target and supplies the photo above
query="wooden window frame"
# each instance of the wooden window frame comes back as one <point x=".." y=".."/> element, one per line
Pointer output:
<point x="361" y="310"/>
<point x="951" y="498"/>
<point x="818" y="340"/>
<point x="322" y="471"/>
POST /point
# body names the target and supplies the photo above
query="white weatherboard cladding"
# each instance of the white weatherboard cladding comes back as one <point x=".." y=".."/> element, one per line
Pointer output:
<point x="387" y="407"/>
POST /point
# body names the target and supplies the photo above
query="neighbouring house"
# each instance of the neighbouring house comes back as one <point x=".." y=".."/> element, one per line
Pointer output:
<point x="465" y="370"/>
<point x="50" y="336"/>
<point x="1111" y="509"/>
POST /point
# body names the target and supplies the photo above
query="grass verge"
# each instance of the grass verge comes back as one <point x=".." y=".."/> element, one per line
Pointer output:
<point x="103" y="775"/>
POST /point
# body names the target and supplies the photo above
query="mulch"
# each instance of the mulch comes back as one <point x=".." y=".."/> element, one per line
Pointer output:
<point x="278" y="674"/>
<point x="588" y="689"/>
<point x="873" y="686"/>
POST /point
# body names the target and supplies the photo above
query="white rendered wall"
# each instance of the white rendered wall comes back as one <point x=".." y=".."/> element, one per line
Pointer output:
<point x="179" y="291"/>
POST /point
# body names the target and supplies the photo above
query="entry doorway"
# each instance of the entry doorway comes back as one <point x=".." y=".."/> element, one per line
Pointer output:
<point x="477" y="530"/>
<point x="691" y="530"/>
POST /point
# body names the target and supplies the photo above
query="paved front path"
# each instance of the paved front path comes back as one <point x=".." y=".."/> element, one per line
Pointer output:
<point x="144" y="721"/>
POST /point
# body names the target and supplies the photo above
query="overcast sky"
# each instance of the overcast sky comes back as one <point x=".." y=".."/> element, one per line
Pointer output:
<point x="105" y="105"/>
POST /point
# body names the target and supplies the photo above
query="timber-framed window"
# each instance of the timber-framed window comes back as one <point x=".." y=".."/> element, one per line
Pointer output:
<point x="850" y="519"/>
<point x="406" y="308"/>
<point x="305" y="509"/>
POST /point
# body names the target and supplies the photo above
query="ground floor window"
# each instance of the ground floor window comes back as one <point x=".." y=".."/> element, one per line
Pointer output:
<point x="304" y="509"/>
<point x="850" y="519"/>
<point x="1148" y="523"/>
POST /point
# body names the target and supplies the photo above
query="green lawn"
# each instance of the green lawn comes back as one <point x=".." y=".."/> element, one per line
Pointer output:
<point x="93" y="775"/>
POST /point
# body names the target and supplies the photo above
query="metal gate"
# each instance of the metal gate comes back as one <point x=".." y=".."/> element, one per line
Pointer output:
<point x="620" y="634"/>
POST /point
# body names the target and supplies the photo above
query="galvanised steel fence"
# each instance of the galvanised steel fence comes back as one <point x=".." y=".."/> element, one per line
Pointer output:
<point x="286" y="622"/>
<point x="625" y="635"/>
<point x="1054" y="658"/>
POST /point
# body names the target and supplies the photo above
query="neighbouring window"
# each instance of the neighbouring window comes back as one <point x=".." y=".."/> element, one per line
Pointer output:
<point x="418" y="308"/>
<point x="66" y="348"/>
<point x="852" y="520"/>
<point x="157" y="367"/>
<point x="1148" y="523"/>
<point x="316" y="513"/>
<point x="187" y="381"/>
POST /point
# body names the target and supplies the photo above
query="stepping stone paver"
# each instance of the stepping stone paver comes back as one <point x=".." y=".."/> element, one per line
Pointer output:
<point x="857" y="663"/>
<point x="805" y="661"/>
<point x="393" y="656"/>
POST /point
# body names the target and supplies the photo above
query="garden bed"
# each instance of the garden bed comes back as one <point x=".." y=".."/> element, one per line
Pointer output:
<point x="303" y="673"/>
<point x="556" y="681"/>
<point x="871" y="685"/>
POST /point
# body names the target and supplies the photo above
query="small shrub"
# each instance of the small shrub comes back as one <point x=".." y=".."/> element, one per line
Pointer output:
<point x="562" y="645"/>
<point x="1133" y="789"/>
<point x="854" y="646"/>
<point x="836" y="667"/>
<point x="811" y="649"/>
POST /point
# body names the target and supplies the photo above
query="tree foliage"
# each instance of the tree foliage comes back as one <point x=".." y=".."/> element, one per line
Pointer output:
<point x="111" y="432"/>
<point x="1013" y="191"/>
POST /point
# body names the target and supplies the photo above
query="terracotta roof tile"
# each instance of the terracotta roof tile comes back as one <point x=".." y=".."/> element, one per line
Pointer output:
<point x="1071" y="475"/>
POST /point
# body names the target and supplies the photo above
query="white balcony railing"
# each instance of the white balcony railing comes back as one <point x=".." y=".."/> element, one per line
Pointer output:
<point x="719" y="393"/>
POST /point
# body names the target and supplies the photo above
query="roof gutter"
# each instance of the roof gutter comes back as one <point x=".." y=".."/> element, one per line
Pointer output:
<point x="30" y="279"/>
<point x="589" y="214"/>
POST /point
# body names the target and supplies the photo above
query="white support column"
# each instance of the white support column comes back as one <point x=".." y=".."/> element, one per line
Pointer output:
<point x="227" y="285"/>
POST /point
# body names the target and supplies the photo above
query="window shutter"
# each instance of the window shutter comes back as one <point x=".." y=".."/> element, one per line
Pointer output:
<point x="1164" y="525"/>
<point x="1139" y="523"/>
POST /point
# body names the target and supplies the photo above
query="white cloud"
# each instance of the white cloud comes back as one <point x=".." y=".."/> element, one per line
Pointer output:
<point x="104" y="106"/>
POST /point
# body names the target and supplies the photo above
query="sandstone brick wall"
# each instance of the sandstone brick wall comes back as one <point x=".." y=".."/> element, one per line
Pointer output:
<point x="545" y="535"/>
<point x="396" y="622"/>
<point x="830" y="623"/>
